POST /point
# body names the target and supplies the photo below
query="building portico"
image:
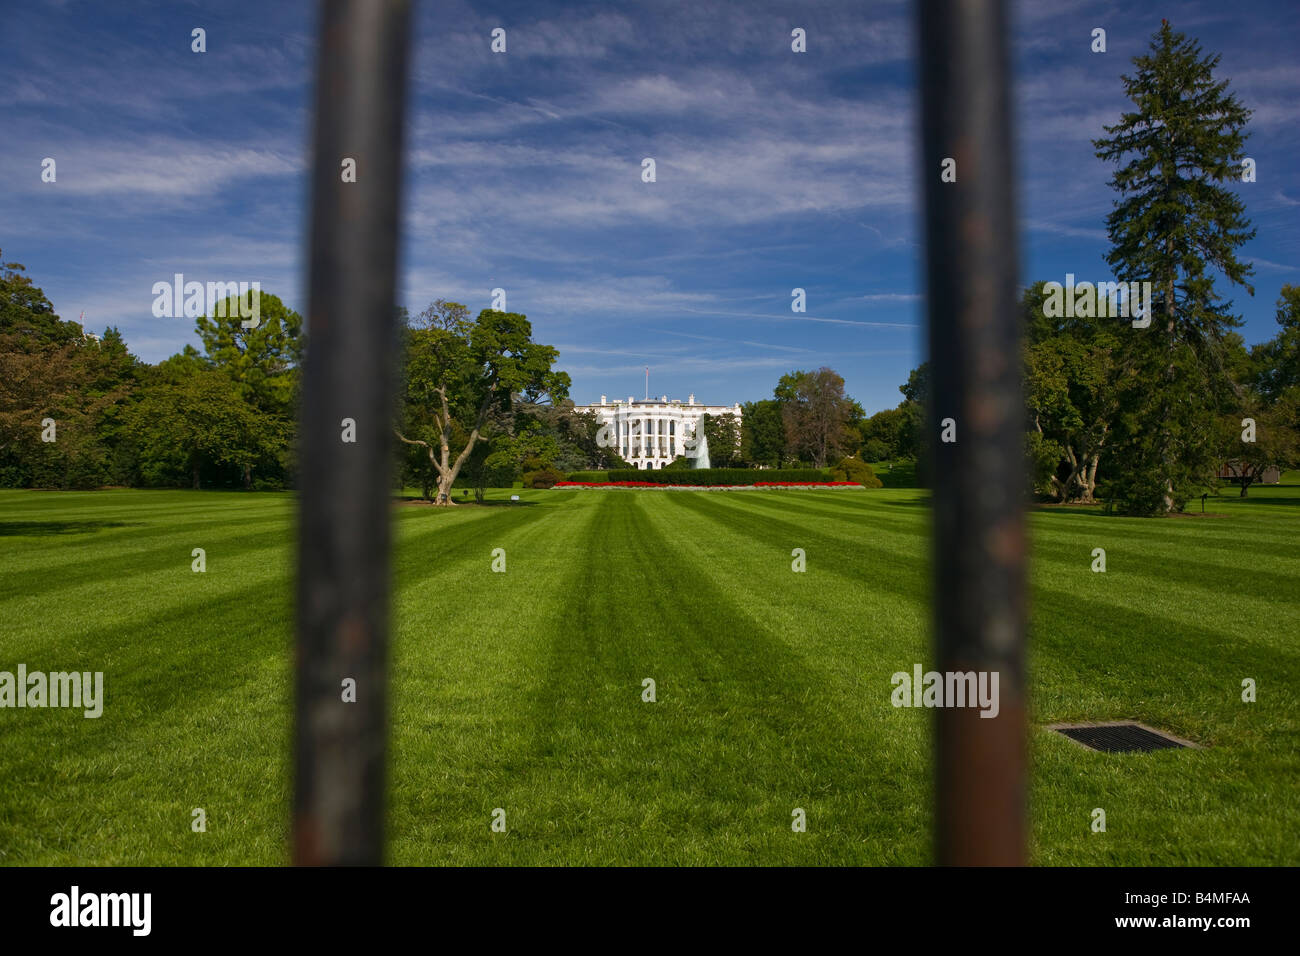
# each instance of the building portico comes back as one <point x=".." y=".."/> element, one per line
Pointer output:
<point x="650" y="433"/>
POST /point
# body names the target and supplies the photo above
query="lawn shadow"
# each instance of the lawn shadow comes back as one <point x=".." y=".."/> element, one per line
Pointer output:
<point x="33" y="529"/>
<point x="1099" y="511"/>
<point x="1260" y="496"/>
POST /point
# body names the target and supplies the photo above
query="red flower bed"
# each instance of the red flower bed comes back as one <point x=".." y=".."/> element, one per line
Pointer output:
<point x="756" y="484"/>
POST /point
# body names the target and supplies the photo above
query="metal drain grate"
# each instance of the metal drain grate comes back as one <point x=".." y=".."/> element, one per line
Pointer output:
<point x="1119" y="738"/>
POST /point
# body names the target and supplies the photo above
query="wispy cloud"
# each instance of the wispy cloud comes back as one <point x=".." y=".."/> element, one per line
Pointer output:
<point x="800" y="317"/>
<point x="775" y="170"/>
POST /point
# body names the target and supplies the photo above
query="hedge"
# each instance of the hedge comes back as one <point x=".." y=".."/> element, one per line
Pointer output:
<point x="712" y="476"/>
<point x="592" y="477"/>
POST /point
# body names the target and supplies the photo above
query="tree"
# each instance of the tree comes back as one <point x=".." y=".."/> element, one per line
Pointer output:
<point x="815" y="413"/>
<point x="874" y="450"/>
<point x="497" y="470"/>
<point x="1072" y="393"/>
<point x="762" y="434"/>
<point x="1273" y="442"/>
<point x="1269" y="397"/>
<point x="262" y="364"/>
<point x="1174" y="221"/>
<point x="51" y="370"/>
<point x="881" y="434"/>
<point x="112" y="381"/>
<point x="723" y="435"/>
<point x="180" y="427"/>
<point x="1276" y="363"/>
<point x="573" y="438"/>
<point x="40" y="382"/>
<point x="458" y="374"/>
<point x="260" y="360"/>
<point x="26" y="312"/>
<point x="913" y="415"/>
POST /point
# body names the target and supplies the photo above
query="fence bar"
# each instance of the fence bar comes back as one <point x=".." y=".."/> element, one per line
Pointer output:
<point x="979" y="479"/>
<point x="348" y="373"/>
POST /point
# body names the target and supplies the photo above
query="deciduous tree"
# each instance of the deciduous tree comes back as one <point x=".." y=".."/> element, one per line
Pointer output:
<point x="459" y="373"/>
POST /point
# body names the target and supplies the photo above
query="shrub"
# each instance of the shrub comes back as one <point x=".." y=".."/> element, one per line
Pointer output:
<point x="542" y="477"/>
<point x="851" y="469"/>
<point x="592" y="477"/>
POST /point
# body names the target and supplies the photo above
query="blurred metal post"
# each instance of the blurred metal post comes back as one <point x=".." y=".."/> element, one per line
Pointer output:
<point x="343" y="536"/>
<point x="979" y="480"/>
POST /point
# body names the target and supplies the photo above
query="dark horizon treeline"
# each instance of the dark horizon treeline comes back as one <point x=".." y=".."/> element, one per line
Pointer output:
<point x="226" y="416"/>
<point x="223" y="417"/>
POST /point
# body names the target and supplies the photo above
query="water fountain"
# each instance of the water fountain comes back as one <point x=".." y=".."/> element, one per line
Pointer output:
<point x="700" y="458"/>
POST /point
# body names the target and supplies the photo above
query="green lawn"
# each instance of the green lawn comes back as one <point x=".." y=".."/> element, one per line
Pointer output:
<point x="523" y="690"/>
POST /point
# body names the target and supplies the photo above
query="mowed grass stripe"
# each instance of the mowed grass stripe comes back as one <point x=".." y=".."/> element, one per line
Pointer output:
<point x="145" y="537"/>
<point x="720" y="671"/>
<point x="192" y="717"/>
<point x="801" y="598"/>
<point x="1098" y="668"/>
<point x="467" y="656"/>
<point x="843" y="550"/>
<point x="195" y="715"/>
<point x="848" y="642"/>
<point x="580" y="798"/>
<point x="1170" y="548"/>
<point x="522" y="689"/>
<point x="1205" y="586"/>
<point x="44" y="623"/>
<point x="884" y="518"/>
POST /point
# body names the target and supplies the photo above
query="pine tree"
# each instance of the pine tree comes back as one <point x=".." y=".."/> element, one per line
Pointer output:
<point x="1174" y="224"/>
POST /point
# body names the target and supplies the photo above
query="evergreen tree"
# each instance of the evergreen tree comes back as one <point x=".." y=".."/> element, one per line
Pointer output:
<point x="1174" y="224"/>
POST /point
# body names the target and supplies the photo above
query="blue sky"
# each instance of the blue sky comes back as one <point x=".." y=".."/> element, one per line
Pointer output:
<point x="775" y="170"/>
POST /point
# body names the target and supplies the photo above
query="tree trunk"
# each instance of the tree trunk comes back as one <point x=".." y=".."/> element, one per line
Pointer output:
<point x="444" y="490"/>
<point x="195" y="471"/>
<point x="1089" y="480"/>
<point x="248" y="477"/>
<point x="1072" y="479"/>
<point x="1166" y="451"/>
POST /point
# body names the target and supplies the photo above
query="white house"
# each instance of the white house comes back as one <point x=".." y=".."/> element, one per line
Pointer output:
<point x="650" y="433"/>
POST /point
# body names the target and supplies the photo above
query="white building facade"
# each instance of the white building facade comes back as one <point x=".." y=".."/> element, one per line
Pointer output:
<point x="650" y="433"/>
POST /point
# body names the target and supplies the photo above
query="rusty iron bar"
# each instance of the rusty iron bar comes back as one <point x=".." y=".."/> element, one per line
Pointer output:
<point x="348" y="373"/>
<point x="979" y="480"/>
